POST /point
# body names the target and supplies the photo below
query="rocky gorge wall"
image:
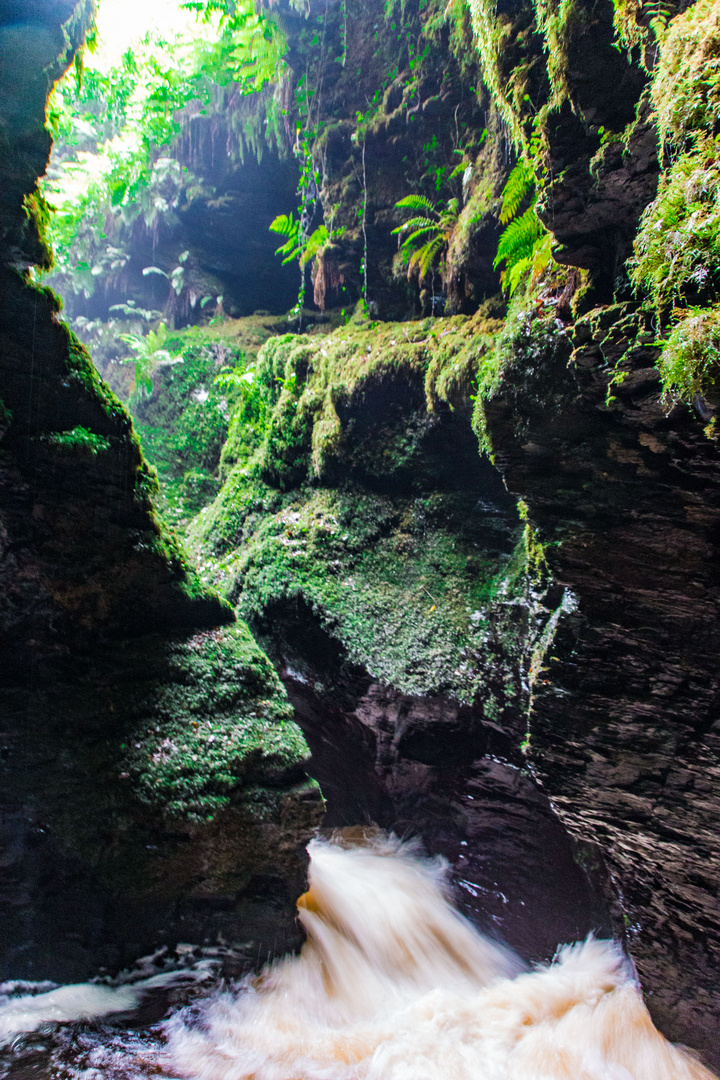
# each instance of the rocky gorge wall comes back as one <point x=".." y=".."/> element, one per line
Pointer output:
<point x="130" y="806"/>
<point x="603" y="691"/>
<point x="480" y="552"/>
<point x="623" y="722"/>
<point x="480" y="682"/>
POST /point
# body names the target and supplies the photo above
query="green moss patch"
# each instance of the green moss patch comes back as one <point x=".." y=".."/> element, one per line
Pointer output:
<point x="79" y="441"/>
<point x="302" y="424"/>
<point x="434" y="595"/>
<point x="678" y="243"/>
<point x="340" y="496"/>
<point x="215" y="729"/>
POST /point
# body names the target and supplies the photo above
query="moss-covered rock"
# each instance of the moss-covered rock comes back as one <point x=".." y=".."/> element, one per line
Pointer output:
<point x="405" y="600"/>
<point x="153" y="784"/>
<point x="166" y="777"/>
<point x="218" y="724"/>
<point x="677" y="246"/>
<point x="368" y="501"/>
<point x="315" y="399"/>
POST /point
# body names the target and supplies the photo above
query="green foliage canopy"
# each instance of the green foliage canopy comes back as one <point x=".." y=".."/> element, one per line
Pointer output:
<point x="113" y="129"/>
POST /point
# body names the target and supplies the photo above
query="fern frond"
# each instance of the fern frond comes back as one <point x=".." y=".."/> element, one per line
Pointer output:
<point x="511" y="278"/>
<point x="291" y="251"/>
<point x="429" y="255"/>
<point x="415" y="223"/>
<point x="317" y="239"/>
<point x="518" y="186"/>
<point x="285" y="225"/>
<point x="518" y="239"/>
<point x="411" y="241"/>
<point x="542" y="255"/>
<point x="416" y="202"/>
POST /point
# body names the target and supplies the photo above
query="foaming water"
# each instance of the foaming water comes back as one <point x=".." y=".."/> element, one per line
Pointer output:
<point x="50" y="1004"/>
<point x="66" y="1003"/>
<point x="393" y="984"/>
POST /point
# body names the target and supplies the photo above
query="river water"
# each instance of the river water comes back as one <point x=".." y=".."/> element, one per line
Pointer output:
<point x="392" y="984"/>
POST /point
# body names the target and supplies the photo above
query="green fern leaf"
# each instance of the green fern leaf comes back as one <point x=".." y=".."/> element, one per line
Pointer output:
<point x="514" y="274"/>
<point x="518" y="239"/>
<point x="429" y="255"/>
<point x="285" y="225"/>
<point x="317" y="239"/>
<point x="416" y="202"/>
<point x="414" y="223"/>
<point x="520" y="183"/>
<point x="410" y="241"/>
<point x="542" y="256"/>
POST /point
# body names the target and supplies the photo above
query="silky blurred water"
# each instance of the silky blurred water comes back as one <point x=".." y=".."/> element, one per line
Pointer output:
<point x="393" y="983"/>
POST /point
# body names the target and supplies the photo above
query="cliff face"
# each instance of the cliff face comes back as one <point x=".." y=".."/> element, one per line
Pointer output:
<point x="600" y="685"/>
<point x="119" y="761"/>
<point x="510" y="651"/>
<point x="623" y="721"/>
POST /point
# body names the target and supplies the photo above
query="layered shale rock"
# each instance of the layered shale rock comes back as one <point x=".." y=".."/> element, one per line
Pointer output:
<point x="623" y="723"/>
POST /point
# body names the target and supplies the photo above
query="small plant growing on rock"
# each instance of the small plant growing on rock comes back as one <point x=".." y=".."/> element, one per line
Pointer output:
<point x="428" y="235"/>
<point x="525" y="245"/>
<point x="306" y="249"/>
<point x="690" y="358"/>
<point x="297" y="246"/>
<point x="149" y="355"/>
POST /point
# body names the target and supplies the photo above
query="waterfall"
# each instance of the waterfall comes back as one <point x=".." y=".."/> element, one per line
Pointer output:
<point x="394" y="984"/>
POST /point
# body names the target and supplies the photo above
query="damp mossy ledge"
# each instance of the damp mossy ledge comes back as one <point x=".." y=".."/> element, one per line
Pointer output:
<point x="343" y="497"/>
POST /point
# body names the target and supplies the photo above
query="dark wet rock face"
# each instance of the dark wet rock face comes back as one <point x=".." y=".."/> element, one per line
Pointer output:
<point x="153" y="782"/>
<point x="424" y="768"/>
<point x="623" y="726"/>
<point x="153" y="791"/>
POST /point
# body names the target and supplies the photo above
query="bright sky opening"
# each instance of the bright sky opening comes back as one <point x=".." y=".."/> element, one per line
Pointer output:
<point x="121" y="23"/>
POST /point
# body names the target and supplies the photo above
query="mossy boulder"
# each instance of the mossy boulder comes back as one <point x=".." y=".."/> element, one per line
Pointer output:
<point x="367" y="499"/>
<point x="166" y="777"/>
<point x="402" y="594"/>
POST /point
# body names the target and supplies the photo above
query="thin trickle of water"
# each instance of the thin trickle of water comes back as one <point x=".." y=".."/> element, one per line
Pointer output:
<point x="393" y="984"/>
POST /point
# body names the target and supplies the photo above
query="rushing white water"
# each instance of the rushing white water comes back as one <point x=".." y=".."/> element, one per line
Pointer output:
<point x="394" y="984"/>
<point x="81" y="1001"/>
